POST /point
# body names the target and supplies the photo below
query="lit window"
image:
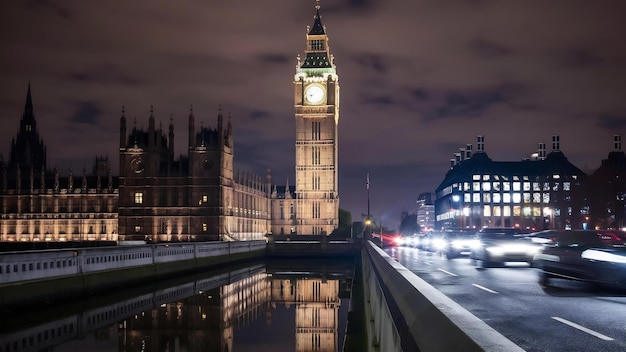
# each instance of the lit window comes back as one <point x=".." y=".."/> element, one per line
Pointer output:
<point x="526" y="186"/>
<point x="487" y="197"/>
<point x="205" y="198"/>
<point x="555" y="187"/>
<point x="556" y="177"/>
<point x="536" y="186"/>
<point x="467" y="197"/>
<point x="137" y="228"/>
<point x="546" y="198"/>
<point x="485" y="177"/>
<point x="506" y="186"/>
<point x="517" y="186"/>
<point x="466" y="186"/>
<point x="566" y="186"/>
<point x="517" y="197"/>
<point x="496" y="186"/>
<point x="496" y="197"/>
<point x="536" y="197"/>
<point x="517" y="211"/>
<point x="506" y="211"/>
<point x="486" y="186"/>
<point x="476" y="198"/>
<point x="204" y="227"/>
<point x="497" y="211"/>
<point x="476" y="177"/>
<point x="476" y="186"/>
<point x="506" y="197"/>
<point x="526" y="197"/>
<point x="486" y="210"/>
<point x="138" y="197"/>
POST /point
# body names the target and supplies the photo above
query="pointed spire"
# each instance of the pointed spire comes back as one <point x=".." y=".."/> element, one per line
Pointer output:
<point x="28" y="106"/>
<point x="287" y="191"/>
<point x="70" y="182"/>
<point x="191" y="129"/>
<point x="84" y="179"/>
<point x="317" y="28"/>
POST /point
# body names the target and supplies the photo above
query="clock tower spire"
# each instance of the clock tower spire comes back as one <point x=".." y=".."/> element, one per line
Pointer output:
<point x="316" y="103"/>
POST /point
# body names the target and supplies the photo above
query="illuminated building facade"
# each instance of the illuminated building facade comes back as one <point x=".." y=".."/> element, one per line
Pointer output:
<point x="208" y="320"/>
<point x="425" y="212"/>
<point x="545" y="192"/>
<point x="193" y="197"/>
<point x="40" y="205"/>
<point x="315" y="201"/>
<point x="196" y="197"/>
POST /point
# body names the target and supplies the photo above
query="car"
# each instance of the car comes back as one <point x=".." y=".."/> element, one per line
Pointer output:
<point x="594" y="256"/>
<point x="410" y="241"/>
<point x="496" y="246"/>
<point x="455" y="242"/>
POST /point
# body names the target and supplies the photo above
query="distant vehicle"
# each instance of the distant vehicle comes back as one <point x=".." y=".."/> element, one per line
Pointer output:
<point x="455" y="243"/>
<point x="597" y="257"/>
<point x="409" y="241"/>
<point x="496" y="246"/>
<point x="388" y="240"/>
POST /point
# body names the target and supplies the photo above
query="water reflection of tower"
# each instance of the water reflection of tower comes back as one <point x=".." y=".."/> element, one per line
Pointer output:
<point x="316" y="304"/>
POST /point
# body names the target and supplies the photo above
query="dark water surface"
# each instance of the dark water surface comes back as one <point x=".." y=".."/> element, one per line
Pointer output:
<point x="277" y="306"/>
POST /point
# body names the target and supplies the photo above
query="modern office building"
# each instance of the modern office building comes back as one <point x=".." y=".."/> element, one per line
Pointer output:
<point x="425" y="212"/>
<point x="543" y="192"/>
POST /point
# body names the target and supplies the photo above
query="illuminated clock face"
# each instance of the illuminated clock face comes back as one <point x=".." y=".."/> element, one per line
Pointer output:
<point x="314" y="94"/>
<point x="137" y="165"/>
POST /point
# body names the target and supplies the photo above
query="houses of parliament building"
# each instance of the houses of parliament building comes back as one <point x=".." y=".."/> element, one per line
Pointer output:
<point x="194" y="197"/>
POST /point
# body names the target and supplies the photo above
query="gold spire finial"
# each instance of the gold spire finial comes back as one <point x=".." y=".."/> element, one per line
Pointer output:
<point x="317" y="4"/>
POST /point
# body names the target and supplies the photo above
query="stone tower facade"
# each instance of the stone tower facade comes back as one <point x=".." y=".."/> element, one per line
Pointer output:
<point x="197" y="197"/>
<point x="316" y="103"/>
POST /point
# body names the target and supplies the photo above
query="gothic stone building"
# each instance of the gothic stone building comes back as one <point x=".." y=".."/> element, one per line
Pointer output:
<point x="39" y="205"/>
<point x="312" y="207"/>
<point x="196" y="197"/>
<point x="193" y="197"/>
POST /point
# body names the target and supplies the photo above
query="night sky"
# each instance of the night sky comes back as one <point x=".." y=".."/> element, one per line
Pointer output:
<point x="419" y="79"/>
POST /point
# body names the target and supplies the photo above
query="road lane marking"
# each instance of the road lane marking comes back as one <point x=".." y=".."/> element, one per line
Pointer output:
<point x="428" y="263"/>
<point x="484" y="288"/>
<point x="447" y="272"/>
<point x="582" y="328"/>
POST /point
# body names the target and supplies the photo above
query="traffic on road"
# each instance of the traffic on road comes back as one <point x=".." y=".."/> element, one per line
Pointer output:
<point x="545" y="291"/>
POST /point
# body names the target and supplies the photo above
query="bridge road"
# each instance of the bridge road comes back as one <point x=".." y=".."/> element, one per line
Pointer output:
<point x="565" y="316"/>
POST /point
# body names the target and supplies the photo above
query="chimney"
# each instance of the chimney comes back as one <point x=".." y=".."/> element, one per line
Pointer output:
<point x="555" y="143"/>
<point x="468" y="151"/>
<point x="542" y="151"/>
<point x="480" y="144"/>
<point x="617" y="142"/>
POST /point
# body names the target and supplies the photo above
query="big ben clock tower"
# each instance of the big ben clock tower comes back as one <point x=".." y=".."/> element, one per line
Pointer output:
<point x="316" y="103"/>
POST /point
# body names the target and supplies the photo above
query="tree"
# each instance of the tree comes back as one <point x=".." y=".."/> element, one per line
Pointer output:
<point x="409" y="225"/>
<point x="345" y="224"/>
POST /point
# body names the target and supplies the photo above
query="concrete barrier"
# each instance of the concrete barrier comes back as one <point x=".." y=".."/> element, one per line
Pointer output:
<point x="405" y="313"/>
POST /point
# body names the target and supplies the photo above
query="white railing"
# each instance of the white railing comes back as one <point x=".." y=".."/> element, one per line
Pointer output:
<point x="33" y="265"/>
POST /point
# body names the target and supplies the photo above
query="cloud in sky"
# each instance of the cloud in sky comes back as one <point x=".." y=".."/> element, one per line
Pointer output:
<point x="419" y="79"/>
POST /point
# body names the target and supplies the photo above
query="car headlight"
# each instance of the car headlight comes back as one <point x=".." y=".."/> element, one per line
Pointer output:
<point x="475" y="244"/>
<point x="439" y="244"/>
<point x="594" y="254"/>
